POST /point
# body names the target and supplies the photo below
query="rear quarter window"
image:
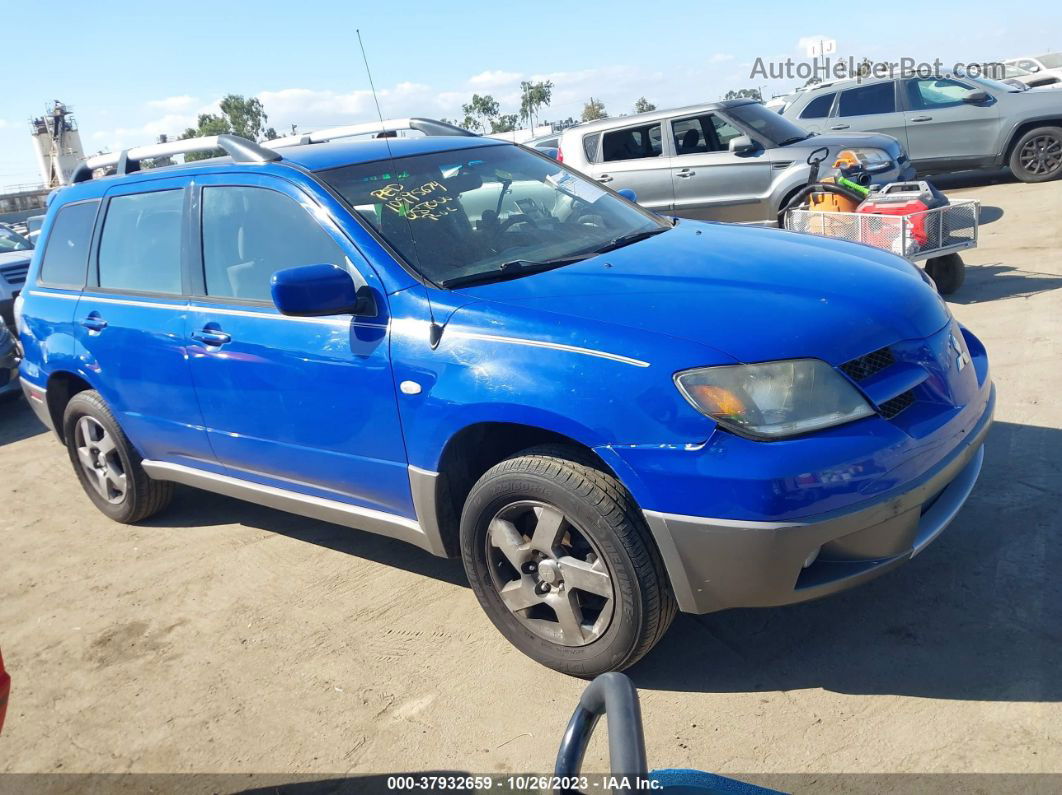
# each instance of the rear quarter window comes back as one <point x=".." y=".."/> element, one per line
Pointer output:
<point x="66" y="252"/>
<point x="590" y="147"/>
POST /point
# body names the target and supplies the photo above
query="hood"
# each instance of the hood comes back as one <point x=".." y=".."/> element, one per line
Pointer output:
<point x="11" y="257"/>
<point x="1043" y="98"/>
<point x="844" y="140"/>
<point x="755" y="294"/>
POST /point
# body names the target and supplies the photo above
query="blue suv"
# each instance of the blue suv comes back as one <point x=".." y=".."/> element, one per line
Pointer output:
<point x="460" y="343"/>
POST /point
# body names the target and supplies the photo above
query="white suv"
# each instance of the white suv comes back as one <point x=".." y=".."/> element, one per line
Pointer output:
<point x="1050" y="64"/>
<point x="15" y="254"/>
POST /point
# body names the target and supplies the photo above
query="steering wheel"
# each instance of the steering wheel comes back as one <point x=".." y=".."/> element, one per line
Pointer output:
<point x="513" y="220"/>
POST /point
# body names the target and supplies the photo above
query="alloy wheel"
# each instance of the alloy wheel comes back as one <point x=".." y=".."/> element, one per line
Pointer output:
<point x="549" y="574"/>
<point x="98" y="455"/>
<point x="1041" y="155"/>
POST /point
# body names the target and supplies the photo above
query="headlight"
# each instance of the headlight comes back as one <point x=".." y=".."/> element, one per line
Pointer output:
<point x="873" y="160"/>
<point x="774" y="399"/>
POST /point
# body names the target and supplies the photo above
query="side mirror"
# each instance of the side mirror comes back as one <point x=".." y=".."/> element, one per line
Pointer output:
<point x="315" y="290"/>
<point x="975" y="97"/>
<point x="742" y="145"/>
<point x="628" y="194"/>
<point x="1033" y="67"/>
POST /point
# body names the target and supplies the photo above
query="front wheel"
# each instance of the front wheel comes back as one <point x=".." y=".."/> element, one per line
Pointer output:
<point x="1037" y="155"/>
<point x="562" y="562"/>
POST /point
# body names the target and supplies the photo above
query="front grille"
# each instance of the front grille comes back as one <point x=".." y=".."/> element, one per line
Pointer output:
<point x="891" y="408"/>
<point x="15" y="274"/>
<point x="866" y="366"/>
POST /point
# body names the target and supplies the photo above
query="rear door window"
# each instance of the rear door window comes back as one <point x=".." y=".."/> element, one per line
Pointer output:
<point x="140" y="247"/>
<point x="632" y="143"/>
<point x="66" y="252"/>
<point x="818" y="108"/>
<point x="868" y="100"/>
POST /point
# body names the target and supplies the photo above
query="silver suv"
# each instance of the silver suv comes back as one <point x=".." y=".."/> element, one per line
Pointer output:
<point x="723" y="161"/>
<point x="946" y="123"/>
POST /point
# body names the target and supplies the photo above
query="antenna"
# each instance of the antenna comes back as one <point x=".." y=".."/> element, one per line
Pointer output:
<point x="434" y="329"/>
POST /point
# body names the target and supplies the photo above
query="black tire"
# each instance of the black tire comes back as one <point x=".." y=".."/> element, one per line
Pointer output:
<point x="948" y="272"/>
<point x="142" y="497"/>
<point x="596" y="510"/>
<point x="1037" y="155"/>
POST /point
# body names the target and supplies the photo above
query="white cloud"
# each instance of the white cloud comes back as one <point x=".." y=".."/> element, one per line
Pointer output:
<point x="172" y="104"/>
<point x="4" y="123"/>
<point x="171" y="124"/>
<point x="494" y="78"/>
<point x="720" y="57"/>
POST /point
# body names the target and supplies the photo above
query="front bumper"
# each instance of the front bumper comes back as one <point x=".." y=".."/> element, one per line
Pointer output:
<point x="715" y="564"/>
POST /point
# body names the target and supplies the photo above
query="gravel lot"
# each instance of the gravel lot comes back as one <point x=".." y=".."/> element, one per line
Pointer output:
<point x="223" y="637"/>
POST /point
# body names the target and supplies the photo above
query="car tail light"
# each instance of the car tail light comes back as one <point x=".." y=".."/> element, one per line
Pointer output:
<point x="560" y="154"/>
<point x="5" y="689"/>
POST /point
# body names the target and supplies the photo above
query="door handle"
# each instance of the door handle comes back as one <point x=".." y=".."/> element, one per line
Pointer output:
<point x="212" y="336"/>
<point x="686" y="173"/>
<point x="839" y="127"/>
<point x="94" y="322"/>
<point x="922" y="118"/>
<point x="604" y="178"/>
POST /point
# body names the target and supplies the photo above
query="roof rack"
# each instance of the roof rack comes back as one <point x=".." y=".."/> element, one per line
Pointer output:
<point x="430" y="127"/>
<point x="241" y="150"/>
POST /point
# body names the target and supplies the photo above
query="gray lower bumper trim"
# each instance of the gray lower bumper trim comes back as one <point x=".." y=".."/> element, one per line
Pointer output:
<point x="715" y="564"/>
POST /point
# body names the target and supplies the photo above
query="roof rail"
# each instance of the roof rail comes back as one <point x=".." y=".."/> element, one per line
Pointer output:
<point x="241" y="150"/>
<point x="431" y="127"/>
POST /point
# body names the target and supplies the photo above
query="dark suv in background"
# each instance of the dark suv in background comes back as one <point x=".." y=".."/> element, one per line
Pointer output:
<point x="945" y="123"/>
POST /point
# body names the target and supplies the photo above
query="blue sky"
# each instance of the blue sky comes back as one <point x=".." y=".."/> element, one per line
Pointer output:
<point x="132" y="70"/>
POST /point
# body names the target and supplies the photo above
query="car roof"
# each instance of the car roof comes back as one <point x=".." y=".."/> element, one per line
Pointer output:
<point x="312" y="157"/>
<point x="317" y="157"/>
<point x="655" y="115"/>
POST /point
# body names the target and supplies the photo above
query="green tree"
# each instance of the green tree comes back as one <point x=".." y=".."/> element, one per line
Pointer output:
<point x="504" y="123"/>
<point x="532" y="97"/>
<point x="239" y="116"/>
<point x="594" y="109"/>
<point x="745" y="93"/>
<point x="480" y="113"/>
<point x="642" y="105"/>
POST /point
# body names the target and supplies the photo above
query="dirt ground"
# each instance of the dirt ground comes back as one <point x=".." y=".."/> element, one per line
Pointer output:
<point x="223" y="637"/>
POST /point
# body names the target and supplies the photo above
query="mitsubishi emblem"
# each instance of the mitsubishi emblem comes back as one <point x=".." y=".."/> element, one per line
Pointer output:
<point x="962" y="358"/>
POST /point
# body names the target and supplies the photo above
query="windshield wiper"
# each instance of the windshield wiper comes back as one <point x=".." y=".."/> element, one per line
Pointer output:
<point x="794" y="140"/>
<point x="512" y="270"/>
<point x="626" y="240"/>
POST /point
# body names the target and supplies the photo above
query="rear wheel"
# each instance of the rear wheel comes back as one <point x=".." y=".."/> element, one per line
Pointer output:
<point x="1037" y="155"/>
<point x="560" y="559"/>
<point x="107" y="464"/>
<point x="948" y="272"/>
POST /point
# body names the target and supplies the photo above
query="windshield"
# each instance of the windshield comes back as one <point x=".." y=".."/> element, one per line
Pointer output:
<point x="1051" y="61"/>
<point x="452" y="215"/>
<point x="768" y="124"/>
<point x="995" y="85"/>
<point x="9" y="241"/>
